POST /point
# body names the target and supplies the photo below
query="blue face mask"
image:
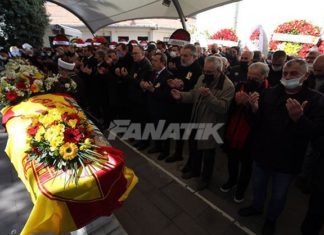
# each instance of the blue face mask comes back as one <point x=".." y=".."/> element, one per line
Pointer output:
<point x="292" y="83"/>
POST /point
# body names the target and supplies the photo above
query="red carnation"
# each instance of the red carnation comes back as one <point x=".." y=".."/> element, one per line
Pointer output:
<point x="72" y="135"/>
<point x="11" y="96"/>
<point x="33" y="130"/>
<point x="21" y="85"/>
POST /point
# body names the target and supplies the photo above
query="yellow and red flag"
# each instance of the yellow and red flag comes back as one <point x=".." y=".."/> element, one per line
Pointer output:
<point x="60" y="207"/>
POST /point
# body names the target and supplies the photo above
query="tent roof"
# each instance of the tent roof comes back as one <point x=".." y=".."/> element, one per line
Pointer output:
<point x="100" y="13"/>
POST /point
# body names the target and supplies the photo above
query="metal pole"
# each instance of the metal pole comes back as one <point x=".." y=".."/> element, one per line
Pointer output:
<point x="180" y="13"/>
<point x="236" y="15"/>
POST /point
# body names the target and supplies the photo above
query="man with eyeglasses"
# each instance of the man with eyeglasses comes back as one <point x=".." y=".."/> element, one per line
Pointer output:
<point x="211" y="98"/>
<point x="288" y="116"/>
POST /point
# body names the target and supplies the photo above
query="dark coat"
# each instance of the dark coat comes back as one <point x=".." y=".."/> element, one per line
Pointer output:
<point x="274" y="77"/>
<point x="160" y="100"/>
<point x="189" y="75"/>
<point x="237" y="75"/>
<point x="279" y="143"/>
<point x="140" y="71"/>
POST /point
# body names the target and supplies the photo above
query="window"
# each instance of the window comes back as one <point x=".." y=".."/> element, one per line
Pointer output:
<point x="123" y="38"/>
<point x="142" y="38"/>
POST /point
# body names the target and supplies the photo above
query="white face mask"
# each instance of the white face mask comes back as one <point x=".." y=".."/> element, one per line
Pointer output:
<point x="292" y="83"/>
<point x="173" y="54"/>
<point x="276" y="68"/>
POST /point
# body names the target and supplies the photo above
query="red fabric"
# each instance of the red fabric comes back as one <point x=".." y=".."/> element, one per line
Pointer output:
<point x="113" y="185"/>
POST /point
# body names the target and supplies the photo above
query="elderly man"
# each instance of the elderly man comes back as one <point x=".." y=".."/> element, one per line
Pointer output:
<point x="310" y="58"/>
<point x="287" y="117"/>
<point x="316" y="78"/>
<point x="211" y="99"/>
<point x="187" y="73"/>
<point x="239" y="125"/>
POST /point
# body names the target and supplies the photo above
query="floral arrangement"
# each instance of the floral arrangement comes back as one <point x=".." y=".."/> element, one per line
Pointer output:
<point x="255" y="35"/>
<point x="225" y="34"/>
<point x="62" y="138"/>
<point x="20" y="80"/>
<point x="296" y="27"/>
<point x="57" y="83"/>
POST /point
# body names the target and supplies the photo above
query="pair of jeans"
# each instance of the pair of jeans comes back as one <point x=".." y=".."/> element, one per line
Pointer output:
<point x="279" y="191"/>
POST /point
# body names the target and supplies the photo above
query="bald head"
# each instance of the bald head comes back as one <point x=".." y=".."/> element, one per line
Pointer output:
<point x="311" y="56"/>
<point x="319" y="66"/>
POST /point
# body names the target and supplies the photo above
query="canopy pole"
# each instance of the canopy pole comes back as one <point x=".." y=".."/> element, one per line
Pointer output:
<point x="180" y="13"/>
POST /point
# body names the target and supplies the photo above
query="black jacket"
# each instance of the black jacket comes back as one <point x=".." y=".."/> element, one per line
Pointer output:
<point x="274" y="77"/>
<point x="279" y="143"/>
<point x="238" y="75"/>
<point x="181" y="112"/>
<point x="160" y="100"/>
<point x="140" y="71"/>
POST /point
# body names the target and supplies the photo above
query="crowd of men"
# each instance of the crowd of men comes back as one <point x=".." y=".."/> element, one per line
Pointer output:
<point x="273" y="112"/>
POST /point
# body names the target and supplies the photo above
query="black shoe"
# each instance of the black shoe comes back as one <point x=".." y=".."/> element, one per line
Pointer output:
<point x="227" y="186"/>
<point x="142" y="146"/>
<point x="136" y="144"/>
<point x="174" y="158"/>
<point x="239" y="197"/>
<point x="269" y="227"/>
<point x="162" y="156"/>
<point x="189" y="175"/>
<point x="154" y="150"/>
<point x="201" y="185"/>
<point x="249" y="211"/>
<point x="186" y="169"/>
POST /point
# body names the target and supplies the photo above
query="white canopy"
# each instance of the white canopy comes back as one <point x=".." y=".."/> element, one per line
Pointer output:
<point x="100" y="13"/>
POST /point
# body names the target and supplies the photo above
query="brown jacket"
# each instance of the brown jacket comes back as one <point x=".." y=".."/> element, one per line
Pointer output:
<point x="210" y="109"/>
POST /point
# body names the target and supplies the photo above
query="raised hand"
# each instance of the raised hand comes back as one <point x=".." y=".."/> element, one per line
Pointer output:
<point x="242" y="98"/>
<point x="254" y="101"/>
<point x="176" y="94"/>
<point x="295" y="109"/>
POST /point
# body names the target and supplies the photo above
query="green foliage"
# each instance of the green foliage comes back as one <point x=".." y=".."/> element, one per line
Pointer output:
<point x="22" y="21"/>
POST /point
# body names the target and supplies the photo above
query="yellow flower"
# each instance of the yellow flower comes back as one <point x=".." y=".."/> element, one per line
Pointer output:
<point x="34" y="88"/>
<point x="72" y="123"/>
<point x="54" y="132"/>
<point x="46" y="120"/>
<point x="68" y="151"/>
<point x="39" y="134"/>
<point x="56" y="142"/>
<point x="86" y="144"/>
<point x="81" y="115"/>
<point x="38" y="76"/>
<point x="89" y="128"/>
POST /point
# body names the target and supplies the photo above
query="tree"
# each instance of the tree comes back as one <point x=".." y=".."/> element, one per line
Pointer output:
<point x="22" y="21"/>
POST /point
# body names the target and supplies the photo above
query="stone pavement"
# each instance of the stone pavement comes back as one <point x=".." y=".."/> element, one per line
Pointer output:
<point x="163" y="203"/>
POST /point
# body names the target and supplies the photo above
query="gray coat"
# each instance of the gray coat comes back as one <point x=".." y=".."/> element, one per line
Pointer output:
<point x="210" y="109"/>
